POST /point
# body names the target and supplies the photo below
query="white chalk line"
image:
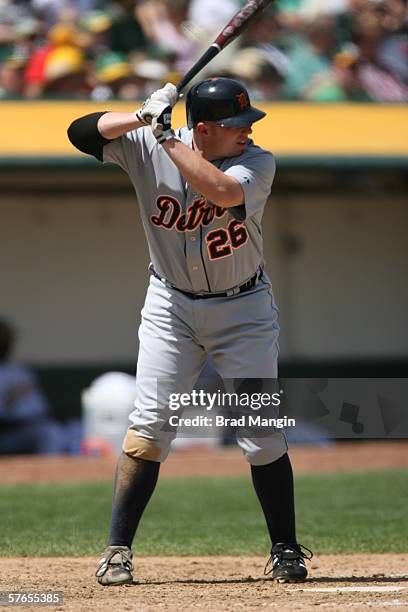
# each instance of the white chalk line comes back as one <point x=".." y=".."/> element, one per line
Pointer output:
<point x="351" y="589"/>
<point x="367" y="604"/>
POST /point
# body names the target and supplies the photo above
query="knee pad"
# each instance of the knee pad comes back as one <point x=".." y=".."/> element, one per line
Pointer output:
<point x="138" y="447"/>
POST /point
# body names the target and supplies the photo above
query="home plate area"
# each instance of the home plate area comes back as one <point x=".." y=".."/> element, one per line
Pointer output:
<point x="216" y="583"/>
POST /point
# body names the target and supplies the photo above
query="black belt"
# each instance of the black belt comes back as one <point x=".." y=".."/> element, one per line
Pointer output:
<point x="196" y="296"/>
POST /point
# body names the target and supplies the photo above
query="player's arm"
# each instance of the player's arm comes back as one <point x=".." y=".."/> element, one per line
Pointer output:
<point x="113" y="125"/>
<point x="92" y="132"/>
<point x="219" y="188"/>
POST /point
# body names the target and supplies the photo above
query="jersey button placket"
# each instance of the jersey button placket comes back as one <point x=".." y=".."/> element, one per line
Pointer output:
<point x="194" y="262"/>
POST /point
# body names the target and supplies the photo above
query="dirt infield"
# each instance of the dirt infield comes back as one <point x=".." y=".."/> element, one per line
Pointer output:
<point x="215" y="584"/>
<point x="347" y="456"/>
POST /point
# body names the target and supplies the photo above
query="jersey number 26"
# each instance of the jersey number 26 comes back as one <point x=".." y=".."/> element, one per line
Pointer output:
<point x="221" y="242"/>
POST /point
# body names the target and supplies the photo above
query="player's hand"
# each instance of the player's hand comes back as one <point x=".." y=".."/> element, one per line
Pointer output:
<point x="161" y="126"/>
<point x="155" y="105"/>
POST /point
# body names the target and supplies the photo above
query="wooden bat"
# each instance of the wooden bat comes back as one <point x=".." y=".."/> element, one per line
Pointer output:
<point x="238" y="24"/>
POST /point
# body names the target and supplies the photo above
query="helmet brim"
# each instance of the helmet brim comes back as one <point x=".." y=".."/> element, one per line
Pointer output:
<point x="247" y="117"/>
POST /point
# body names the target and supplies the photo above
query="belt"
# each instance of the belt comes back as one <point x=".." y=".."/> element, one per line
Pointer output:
<point x="199" y="296"/>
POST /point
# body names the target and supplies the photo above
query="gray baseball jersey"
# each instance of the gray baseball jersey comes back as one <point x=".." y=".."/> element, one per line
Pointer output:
<point x="194" y="245"/>
<point x="199" y="248"/>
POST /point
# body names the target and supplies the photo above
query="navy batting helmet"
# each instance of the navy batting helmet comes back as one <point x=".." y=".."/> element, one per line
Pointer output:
<point x="222" y="100"/>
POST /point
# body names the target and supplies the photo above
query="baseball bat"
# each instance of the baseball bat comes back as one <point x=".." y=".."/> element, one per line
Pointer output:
<point x="234" y="27"/>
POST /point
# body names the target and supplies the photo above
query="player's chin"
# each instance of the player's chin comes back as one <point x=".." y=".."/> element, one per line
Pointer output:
<point x="236" y="149"/>
<point x="241" y="146"/>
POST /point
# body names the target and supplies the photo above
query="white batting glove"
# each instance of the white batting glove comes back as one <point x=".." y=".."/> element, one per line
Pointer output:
<point x="155" y="105"/>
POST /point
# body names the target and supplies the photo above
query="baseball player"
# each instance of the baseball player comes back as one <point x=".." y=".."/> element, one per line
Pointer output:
<point x="201" y="190"/>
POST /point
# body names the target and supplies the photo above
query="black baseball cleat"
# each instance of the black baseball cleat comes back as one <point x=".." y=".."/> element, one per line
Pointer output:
<point x="115" y="566"/>
<point x="286" y="563"/>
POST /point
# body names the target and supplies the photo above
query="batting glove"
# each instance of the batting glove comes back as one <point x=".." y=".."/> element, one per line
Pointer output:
<point x="161" y="126"/>
<point x="155" y="105"/>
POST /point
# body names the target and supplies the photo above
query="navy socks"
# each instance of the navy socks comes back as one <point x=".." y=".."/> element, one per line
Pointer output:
<point x="135" y="482"/>
<point x="273" y="484"/>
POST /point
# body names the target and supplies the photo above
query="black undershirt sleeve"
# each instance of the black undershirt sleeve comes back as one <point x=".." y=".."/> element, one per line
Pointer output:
<point x="84" y="135"/>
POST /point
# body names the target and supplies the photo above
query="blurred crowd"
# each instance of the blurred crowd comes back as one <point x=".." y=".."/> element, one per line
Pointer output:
<point x="313" y="50"/>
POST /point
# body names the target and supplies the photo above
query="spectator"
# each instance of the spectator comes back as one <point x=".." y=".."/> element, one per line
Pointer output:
<point x="25" y="424"/>
<point x="345" y="62"/>
<point x="11" y="78"/>
<point x="258" y="70"/>
<point x="6" y="36"/>
<point x="393" y="46"/>
<point x="136" y="80"/>
<point x="372" y="71"/>
<point x="267" y="36"/>
<point x="127" y="34"/>
<point x="65" y="73"/>
<point x="97" y="25"/>
<point x="27" y="32"/>
<point x="168" y="32"/>
<point x="115" y="78"/>
<point x="60" y="35"/>
<point x="392" y="53"/>
<point x="311" y="75"/>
